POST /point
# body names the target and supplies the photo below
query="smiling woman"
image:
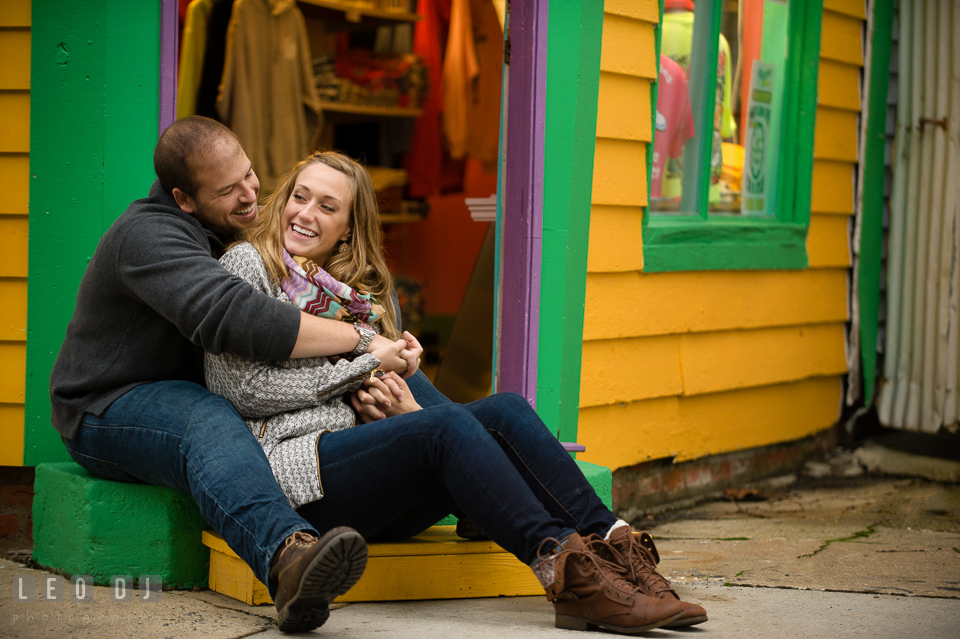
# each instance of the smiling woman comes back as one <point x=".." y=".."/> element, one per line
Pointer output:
<point x="324" y="212"/>
<point x="317" y="216"/>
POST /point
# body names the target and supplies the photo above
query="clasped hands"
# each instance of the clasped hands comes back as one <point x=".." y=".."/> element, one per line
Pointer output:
<point x="388" y="394"/>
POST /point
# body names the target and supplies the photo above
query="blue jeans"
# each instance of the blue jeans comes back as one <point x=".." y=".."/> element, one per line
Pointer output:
<point x="180" y="435"/>
<point x="494" y="459"/>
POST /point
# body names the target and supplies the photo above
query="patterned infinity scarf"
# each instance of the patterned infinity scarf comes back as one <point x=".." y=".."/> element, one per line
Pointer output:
<point x="315" y="291"/>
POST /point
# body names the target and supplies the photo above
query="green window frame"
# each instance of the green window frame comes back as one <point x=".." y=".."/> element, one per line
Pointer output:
<point x="702" y="242"/>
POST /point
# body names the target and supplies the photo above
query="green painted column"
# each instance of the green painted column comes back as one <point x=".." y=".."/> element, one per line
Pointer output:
<point x="94" y="109"/>
<point x="870" y="262"/>
<point x="573" y="82"/>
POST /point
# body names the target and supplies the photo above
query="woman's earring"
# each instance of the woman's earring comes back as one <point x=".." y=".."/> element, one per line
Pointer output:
<point x="344" y="248"/>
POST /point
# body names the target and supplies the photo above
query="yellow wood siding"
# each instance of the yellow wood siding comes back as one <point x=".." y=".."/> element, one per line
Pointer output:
<point x="841" y="39"/>
<point x="832" y="187"/>
<point x="696" y="363"/>
<point x="647" y="10"/>
<point x="855" y="8"/>
<point x="665" y="303"/>
<point x="690" y="427"/>
<point x="615" y="239"/>
<point x="15" y="186"/>
<point x="828" y="241"/>
<point x="835" y="137"/>
<point x="615" y="177"/>
<point x="628" y="47"/>
<point x="623" y="107"/>
<point x="838" y="85"/>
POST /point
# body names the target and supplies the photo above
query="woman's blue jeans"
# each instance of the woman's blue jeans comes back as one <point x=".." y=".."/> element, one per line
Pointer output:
<point x="180" y="435"/>
<point x="494" y="459"/>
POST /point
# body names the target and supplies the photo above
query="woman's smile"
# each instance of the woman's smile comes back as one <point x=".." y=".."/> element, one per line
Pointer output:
<point x="302" y="231"/>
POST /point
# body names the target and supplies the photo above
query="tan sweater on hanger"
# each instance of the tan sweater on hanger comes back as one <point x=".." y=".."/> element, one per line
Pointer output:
<point x="268" y="95"/>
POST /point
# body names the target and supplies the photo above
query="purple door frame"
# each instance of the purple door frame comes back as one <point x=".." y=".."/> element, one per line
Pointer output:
<point x="521" y="232"/>
<point x="169" y="34"/>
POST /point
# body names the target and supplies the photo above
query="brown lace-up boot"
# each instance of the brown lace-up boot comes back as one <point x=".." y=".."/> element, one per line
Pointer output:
<point x="589" y="592"/>
<point x="640" y="558"/>
<point x="310" y="573"/>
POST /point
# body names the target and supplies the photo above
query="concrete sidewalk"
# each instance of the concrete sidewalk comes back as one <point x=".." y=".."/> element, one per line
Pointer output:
<point x="855" y="557"/>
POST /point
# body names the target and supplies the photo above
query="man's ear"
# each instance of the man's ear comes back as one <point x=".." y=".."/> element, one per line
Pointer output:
<point x="184" y="201"/>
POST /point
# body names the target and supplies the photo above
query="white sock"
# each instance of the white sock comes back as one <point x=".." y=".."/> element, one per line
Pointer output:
<point x="619" y="524"/>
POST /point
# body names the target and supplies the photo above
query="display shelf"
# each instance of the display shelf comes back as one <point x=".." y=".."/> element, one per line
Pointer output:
<point x="361" y="109"/>
<point x="400" y="218"/>
<point x="355" y="13"/>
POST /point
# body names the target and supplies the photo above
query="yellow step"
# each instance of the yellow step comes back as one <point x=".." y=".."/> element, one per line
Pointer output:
<point x="435" y="564"/>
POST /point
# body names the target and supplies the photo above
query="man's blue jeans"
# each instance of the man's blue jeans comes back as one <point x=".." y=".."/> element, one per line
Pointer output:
<point x="493" y="458"/>
<point x="180" y="435"/>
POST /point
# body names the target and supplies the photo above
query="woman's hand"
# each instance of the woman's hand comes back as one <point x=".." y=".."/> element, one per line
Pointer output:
<point x="383" y="397"/>
<point x="389" y="354"/>
<point x="412" y="353"/>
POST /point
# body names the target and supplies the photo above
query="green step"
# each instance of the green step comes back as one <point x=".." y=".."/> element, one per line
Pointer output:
<point x="83" y="525"/>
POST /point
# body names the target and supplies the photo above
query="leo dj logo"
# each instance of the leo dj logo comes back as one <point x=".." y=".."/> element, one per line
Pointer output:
<point x="54" y="588"/>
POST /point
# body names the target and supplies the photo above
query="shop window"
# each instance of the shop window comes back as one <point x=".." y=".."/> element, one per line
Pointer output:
<point x="732" y="159"/>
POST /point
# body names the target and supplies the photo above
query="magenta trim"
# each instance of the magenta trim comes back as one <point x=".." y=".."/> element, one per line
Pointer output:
<point x="169" y="34"/>
<point x="522" y="228"/>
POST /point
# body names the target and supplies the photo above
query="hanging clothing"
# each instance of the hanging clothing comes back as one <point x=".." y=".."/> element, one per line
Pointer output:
<point x="483" y="111"/>
<point x="213" y="58"/>
<point x="460" y="68"/>
<point x="674" y="128"/>
<point x="192" y="48"/>
<point x="424" y="163"/>
<point x="267" y="95"/>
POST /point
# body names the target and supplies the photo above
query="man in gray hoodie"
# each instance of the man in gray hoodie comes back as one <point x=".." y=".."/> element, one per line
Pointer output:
<point x="127" y="387"/>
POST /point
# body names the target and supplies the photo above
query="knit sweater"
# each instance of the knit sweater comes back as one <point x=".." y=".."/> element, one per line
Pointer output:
<point x="151" y="301"/>
<point x="287" y="404"/>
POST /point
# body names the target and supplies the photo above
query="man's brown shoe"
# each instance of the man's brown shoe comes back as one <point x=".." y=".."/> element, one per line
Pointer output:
<point x="311" y="572"/>
<point x="640" y="557"/>
<point x="589" y="592"/>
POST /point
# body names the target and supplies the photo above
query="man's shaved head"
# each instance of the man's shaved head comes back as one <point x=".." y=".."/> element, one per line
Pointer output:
<point x="187" y="147"/>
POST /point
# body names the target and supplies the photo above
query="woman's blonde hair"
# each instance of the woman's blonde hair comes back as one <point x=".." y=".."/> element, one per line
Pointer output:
<point x="361" y="265"/>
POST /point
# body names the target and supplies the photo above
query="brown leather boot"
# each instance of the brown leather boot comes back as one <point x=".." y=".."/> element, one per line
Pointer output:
<point x="589" y="592"/>
<point x="640" y="557"/>
<point x="310" y="573"/>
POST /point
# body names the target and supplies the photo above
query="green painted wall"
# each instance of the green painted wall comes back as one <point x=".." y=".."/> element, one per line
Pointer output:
<point x="573" y="81"/>
<point x="94" y="118"/>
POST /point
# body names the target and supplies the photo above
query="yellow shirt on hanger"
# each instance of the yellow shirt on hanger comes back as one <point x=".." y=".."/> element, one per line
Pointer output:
<point x="191" y="56"/>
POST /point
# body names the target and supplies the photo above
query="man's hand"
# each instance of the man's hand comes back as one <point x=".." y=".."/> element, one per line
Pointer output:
<point x="383" y="397"/>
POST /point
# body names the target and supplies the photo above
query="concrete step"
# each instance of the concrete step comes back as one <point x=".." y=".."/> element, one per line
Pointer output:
<point x="84" y="525"/>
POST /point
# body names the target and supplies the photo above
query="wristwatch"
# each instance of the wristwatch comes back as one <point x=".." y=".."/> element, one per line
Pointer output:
<point x="366" y="336"/>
